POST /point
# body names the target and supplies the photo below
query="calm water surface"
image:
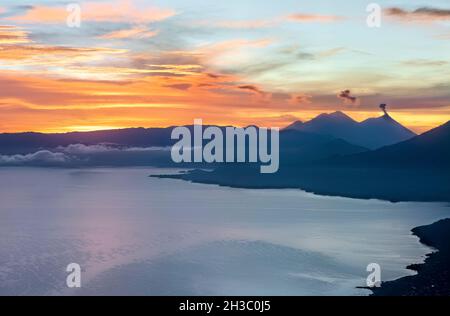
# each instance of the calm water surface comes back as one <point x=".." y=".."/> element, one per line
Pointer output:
<point x="138" y="235"/>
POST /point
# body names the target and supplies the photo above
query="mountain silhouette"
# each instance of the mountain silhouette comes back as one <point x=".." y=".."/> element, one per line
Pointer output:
<point x="298" y="147"/>
<point x="414" y="170"/>
<point x="336" y="124"/>
<point x="22" y="143"/>
<point x="372" y="133"/>
<point x="429" y="150"/>
<point x="146" y="147"/>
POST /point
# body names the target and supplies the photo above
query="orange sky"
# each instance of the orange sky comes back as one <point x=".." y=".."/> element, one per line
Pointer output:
<point x="165" y="69"/>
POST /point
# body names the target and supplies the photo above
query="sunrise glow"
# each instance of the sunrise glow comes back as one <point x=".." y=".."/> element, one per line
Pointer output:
<point x="163" y="63"/>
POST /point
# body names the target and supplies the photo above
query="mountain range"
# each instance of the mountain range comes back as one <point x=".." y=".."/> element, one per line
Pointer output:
<point x="429" y="150"/>
<point x="372" y="133"/>
<point x="331" y="155"/>
<point x="417" y="169"/>
<point x="145" y="147"/>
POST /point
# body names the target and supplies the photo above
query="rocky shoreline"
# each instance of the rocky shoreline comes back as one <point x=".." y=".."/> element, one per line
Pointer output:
<point x="433" y="276"/>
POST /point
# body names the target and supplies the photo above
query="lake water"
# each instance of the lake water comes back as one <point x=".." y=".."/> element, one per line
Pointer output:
<point x="133" y="234"/>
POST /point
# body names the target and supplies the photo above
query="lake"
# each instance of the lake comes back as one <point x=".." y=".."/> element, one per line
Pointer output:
<point x="136" y="235"/>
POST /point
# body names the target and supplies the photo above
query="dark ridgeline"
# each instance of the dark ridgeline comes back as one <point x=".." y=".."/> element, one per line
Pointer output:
<point x="417" y="169"/>
<point x="372" y="133"/>
<point x="317" y="156"/>
<point x="24" y="143"/>
<point x="295" y="146"/>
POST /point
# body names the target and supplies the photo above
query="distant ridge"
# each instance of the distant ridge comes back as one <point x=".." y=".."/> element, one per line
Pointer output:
<point x="20" y="143"/>
<point x="417" y="169"/>
<point x="429" y="150"/>
<point x="372" y="133"/>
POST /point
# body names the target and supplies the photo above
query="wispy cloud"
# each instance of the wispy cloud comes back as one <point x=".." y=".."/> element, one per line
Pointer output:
<point x="347" y="96"/>
<point x="316" y="18"/>
<point x="45" y="54"/>
<point x="43" y="157"/>
<point x="82" y="149"/>
<point x="13" y="35"/>
<point x="252" y="88"/>
<point x="111" y="11"/>
<point x="138" y="32"/>
<point x="424" y="14"/>
<point x="240" y="24"/>
<point x="271" y="22"/>
<point x="179" y="86"/>
<point x="87" y="155"/>
<point x="154" y="63"/>
<point x="425" y="63"/>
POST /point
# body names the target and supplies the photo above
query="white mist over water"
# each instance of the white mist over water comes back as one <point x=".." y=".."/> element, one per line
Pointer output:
<point x="133" y="234"/>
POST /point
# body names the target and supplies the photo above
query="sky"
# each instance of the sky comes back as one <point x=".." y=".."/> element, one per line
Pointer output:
<point x="238" y="62"/>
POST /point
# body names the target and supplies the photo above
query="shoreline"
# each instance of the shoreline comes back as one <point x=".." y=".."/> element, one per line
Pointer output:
<point x="398" y="189"/>
<point x="433" y="275"/>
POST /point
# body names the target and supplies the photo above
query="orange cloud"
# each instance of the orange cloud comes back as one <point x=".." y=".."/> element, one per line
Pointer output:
<point x="240" y="24"/>
<point x="257" y="24"/>
<point x="12" y="35"/>
<point x="229" y="51"/>
<point x="39" y="58"/>
<point x="60" y="88"/>
<point x="422" y="14"/>
<point x="26" y="93"/>
<point x="117" y="11"/>
<point x="18" y="50"/>
<point x="300" y="17"/>
<point x="42" y="15"/>
<point x="54" y="105"/>
<point x="139" y="32"/>
<point x="252" y="88"/>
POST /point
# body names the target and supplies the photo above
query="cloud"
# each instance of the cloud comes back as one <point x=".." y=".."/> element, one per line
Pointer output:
<point x="240" y="24"/>
<point x="303" y="99"/>
<point x="251" y="88"/>
<point x="425" y="63"/>
<point x="214" y="76"/>
<point x="280" y="96"/>
<point x="330" y="52"/>
<point x="271" y="22"/>
<point x="424" y="14"/>
<point x="12" y="35"/>
<point x="46" y="54"/>
<point x="347" y="97"/>
<point x="89" y="155"/>
<point x="81" y="149"/>
<point x="443" y="37"/>
<point x="222" y="54"/>
<point x="179" y="86"/>
<point x="139" y="32"/>
<point x="111" y="11"/>
<point x="43" y="157"/>
<point x="315" y="18"/>
<point x="19" y="50"/>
